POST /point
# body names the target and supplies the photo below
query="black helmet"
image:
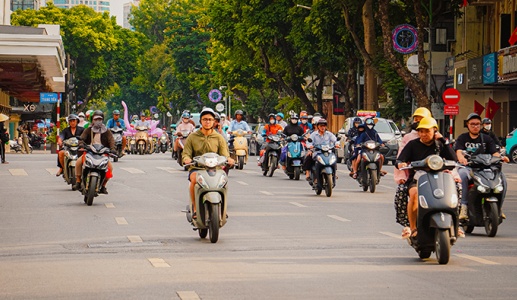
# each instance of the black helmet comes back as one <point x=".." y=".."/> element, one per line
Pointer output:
<point x="98" y="113"/>
<point x="317" y="114"/>
<point x="473" y="116"/>
<point x="73" y="117"/>
<point x="357" y="120"/>
<point x="486" y="121"/>
<point x="207" y="110"/>
<point x="322" y="121"/>
<point x="239" y="112"/>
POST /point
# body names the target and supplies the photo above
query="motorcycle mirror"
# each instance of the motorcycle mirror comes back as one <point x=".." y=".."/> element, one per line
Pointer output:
<point x="309" y="140"/>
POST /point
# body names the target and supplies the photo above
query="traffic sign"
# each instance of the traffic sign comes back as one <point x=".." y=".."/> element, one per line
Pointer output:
<point x="48" y="97"/>
<point x="451" y="110"/>
<point x="451" y="96"/>
<point x="219" y="107"/>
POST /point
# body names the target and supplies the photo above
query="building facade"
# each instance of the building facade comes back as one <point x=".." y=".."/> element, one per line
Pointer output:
<point x="97" y="5"/>
<point x="127" y="13"/>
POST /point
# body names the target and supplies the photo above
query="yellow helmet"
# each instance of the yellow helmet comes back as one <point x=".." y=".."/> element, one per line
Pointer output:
<point x="427" y="123"/>
<point x="422" y="112"/>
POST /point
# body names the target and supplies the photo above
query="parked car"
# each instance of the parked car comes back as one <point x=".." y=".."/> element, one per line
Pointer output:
<point x="511" y="145"/>
<point x="388" y="131"/>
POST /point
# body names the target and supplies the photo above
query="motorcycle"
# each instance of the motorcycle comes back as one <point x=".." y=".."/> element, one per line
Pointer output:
<point x="295" y="155"/>
<point x="17" y="146"/>
<point x="163" y="142"/>
<point x="210" y="196"/>
<point x="349" y="152"/>
<point x="239" y="151"/>
<point x="142" y="140"/>
<point x="182" y="136"/>
<point x="131" y="144"/>
<point x="369" y="174"/>
<point x="437" y="221"/>
<point x="323" y="173"/>
<point x="485" y="196"/>
<point x="95" y="168"/>
<point x="71" y="146"/>
<point x="272" y="154"/>
<point x="117" y="135"/>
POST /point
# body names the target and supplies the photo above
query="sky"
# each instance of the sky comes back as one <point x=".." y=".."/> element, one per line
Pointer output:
<point x="116" y="9"/>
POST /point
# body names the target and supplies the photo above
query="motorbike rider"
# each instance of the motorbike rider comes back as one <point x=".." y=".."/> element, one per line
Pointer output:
<point x="218" y="126"/>
<point x="368" y="134"/>
<point x="185" y="125"/>
<point x="96" y="134"/>
<point x="353" y="133"/>
<point x="271" y="128"/>
<point x="304" y="122"/>
<point x="473" y="142"/>
<point x="73" y="130"/>
<point x="236" y="124"/>
<point x="280" y="119"/>
<point x="321" y="136"/>
<point x="291" y="128"/>
<point x="143" y="122"/>
<point x="82" y="120"/>
<point x="116" y="121"/>
<point x="418" y="149"/>
<point x="202" y="141"/>
<point x="487" y="129"/>
<point x="224" y="121"/>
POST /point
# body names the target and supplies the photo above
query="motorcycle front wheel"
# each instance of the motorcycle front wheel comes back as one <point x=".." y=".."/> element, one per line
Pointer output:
<point x="202" y="233"/>
<point x="442" y="241"/>
<point x="297" y="172"/>
<point x="214" y="223"/>
<point x="273" y="163"/>
<point x="90" y="194"/>
<point x="491" y="217"/>
<point x="373" y="180"/>
<point x="241" y="163"/>
<point x="328" y="184"/>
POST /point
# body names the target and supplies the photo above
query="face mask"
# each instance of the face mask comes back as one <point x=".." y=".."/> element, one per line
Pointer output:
<point x="294" y="121"/>
<point x="414" y="125"/>
<point x="97" y="123"/>
<point x="488" y="126"/>
<point x="272" y="122"/>
<point x="370" y="126"/>
<point x="304" y="121"/>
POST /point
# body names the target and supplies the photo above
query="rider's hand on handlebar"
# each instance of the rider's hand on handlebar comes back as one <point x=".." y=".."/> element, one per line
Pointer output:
<point x="231" y="161"/>
<point x="402" y="165"/>
<point x="505" y="159"/>
<point x="187" y="161"/>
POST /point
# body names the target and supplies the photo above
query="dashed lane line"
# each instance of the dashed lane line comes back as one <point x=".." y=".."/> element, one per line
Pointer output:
<point x="478" y="259"/>
<point x="109" y="205"/>
<point x="391" y="234"/>
<point x="297" y="204"/>
<point x="267" y="193"/>
<point x="134" y="239"/>
<point x="121" y="221"/>
<point x="386" y="187"/>
<point x="188" y="295"/>
<point x="158" y="263"/>
<point x="241" y="182"/>
<point x="338" y="218"/>
<point x="52" y="171"/>
<point x="168" y="169"/>
<point x="133" y="170"/>
<point x="18" y="172"/>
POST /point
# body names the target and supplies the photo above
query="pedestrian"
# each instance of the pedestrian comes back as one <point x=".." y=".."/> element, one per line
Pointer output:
<point x="24" y="134"/>
<point x="4" y="139"/>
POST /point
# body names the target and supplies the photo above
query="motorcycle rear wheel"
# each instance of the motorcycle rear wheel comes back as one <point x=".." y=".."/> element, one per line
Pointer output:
<point x="214" y="223"/>
<point x="373" y="180"/>
<point x="442" y="242"/>
<point x="71" y="176"/>
<point x="491" y="217"/>
<point x="328" y="184"/>
<point x="90" y="194"/>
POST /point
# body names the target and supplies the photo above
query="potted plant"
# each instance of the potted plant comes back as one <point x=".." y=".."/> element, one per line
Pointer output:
<point x="52" y="138"/>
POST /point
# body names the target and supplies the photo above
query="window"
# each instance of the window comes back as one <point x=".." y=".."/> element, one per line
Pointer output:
<point x="441" y="36"/>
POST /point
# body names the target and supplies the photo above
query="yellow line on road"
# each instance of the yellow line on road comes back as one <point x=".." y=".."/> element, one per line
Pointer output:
<point x="188" y="295"/>
<point x="18" y="172"/>
<point x="121" y="221"/>
<point x="134" y="239"/>
<point x="158" y="263"/>
<point x="478" y="259"/>
<point x="338" y="218"/>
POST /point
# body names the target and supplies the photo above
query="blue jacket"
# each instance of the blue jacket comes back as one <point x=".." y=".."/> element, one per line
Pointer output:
<point x="368" y="134"/>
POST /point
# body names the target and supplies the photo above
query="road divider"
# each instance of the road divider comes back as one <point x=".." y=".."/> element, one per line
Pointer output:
<point x="241" y="182"/>
<point x="477" y="259"/>
<point x="267" y="193"/>
<point x="18" y="172"/>
<point x="134" y="239"/>
<point x="109" y="205"/>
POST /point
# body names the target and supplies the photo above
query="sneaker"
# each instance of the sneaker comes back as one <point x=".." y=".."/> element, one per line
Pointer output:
<point x="103" y="190"/>
<point x="463" y="212"/>
<point x="461" y="233"/>
<point x="78" y="186"/>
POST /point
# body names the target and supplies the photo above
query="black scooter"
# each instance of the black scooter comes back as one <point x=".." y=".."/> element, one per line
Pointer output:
<point x="437" y="222"/>
<point x="272" y="154"/>
<point x="485" y="196"/>
<point x="369" y="173"/>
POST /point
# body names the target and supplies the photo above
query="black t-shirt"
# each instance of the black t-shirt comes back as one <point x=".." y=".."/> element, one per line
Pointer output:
<point x="416" y="150"/>
<point x="67" y="133"/>
<point x="293" y="129"/>
<point x="482" y="141"/>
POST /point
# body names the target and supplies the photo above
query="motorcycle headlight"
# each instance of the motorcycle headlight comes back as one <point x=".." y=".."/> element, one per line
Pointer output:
<point x="320" y="160"/>
<point x="294" y="137"/>
<point x="202" y="183"/>
<point x="435" y="163"/>
<point x="222" y="182"/>
<point x="89" y="162"/>
<point x="482" y="189"/>
<point x="332" y="160"/>
<point x="370" y="146"/>
<point x="454" y="201"/>
<point x="365" y="157"/>
<point x="498" y="188"/>
<point x="422" y="201"/>
<point x="377" y="156"/>
<point x="104" y="165"/>
<point x="325" y="148"/>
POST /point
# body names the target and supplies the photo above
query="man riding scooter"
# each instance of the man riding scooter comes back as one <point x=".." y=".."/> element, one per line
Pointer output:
<point x="271" y="128"/>
<point x="319" y="137"/>
<point x="368" y="134"/>
<point x="290" y="129"/>
<point x="236" y="124"/>
<point x="71" y="131"/>
<point x="184" y="126"/>
<point x="116" y="121"/>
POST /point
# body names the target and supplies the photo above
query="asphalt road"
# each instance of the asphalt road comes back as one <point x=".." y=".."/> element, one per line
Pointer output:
<point x="281" y="240"/>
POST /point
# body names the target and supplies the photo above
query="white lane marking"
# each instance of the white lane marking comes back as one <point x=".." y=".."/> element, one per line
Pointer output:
<point x="121" y="221"/>
<point x="249" y="172"/>
<point x="109" y="205"/>
<point x="52" y="171"/>
<point x="133" y="170"/>
<point x="158" y="263"/>
<point x="18" y="172"/>
<point x="241" y="182"/>
<point x="188" y="295"/>
<point x="478" y="259"/>
<point x="338" y="218"/>
<point x="297" y="204"/>
<point x="266" y="193"/>
<point x="134" y="239"/>
<point x="342" y="172"/>
<point x="168" y="169"/>
<point x="390" y="234"/>
<point x="387" y="187"/>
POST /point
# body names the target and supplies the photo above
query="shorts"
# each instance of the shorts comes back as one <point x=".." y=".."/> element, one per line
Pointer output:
<point x="190" y="172"/>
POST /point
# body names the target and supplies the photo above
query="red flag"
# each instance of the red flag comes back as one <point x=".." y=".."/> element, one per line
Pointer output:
<point x="491" y="109"/>
<point x="513" y="37"/>
<point x="478" y="107"/>
<point x="465" y="3"/>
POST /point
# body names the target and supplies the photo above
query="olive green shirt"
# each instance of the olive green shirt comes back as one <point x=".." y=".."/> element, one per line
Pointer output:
<point x="198" y="144"/>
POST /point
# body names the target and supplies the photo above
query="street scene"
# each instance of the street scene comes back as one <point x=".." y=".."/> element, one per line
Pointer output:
<point x="281" y="241"/>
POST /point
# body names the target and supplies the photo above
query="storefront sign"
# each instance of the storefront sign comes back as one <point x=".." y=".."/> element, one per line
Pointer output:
<point x="475" y="72"/>
<point x="461" y="79"/>
<point x="490" y="68"/>
<point x="507" y="63"/>
<point x="449" y="71"/>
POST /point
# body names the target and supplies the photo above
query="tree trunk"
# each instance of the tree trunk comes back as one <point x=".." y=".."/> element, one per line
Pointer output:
<point x="370" y="78"/>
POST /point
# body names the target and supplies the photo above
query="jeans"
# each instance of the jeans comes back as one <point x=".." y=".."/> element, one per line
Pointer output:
<point x="464" y="173"/>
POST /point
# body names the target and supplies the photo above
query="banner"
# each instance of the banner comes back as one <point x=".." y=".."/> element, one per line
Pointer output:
<point x="491" y="109"/>
<point x="478" y="108"/>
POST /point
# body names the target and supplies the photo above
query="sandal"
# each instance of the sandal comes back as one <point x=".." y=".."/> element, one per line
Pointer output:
<point x="194" y="216"/>
<point x="354" y="176"/>
<point x="413" y="234"/>
<point x="383" y="173"/>
<point x="406" y="233"/>
<point x="461" y="233"/>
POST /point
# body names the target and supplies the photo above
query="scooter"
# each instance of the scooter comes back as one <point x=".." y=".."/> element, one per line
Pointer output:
<point x="239" y="151"/>
<point x="369" y="174"/>
<point x="437" y="221"/>
<point x="323" y="173"/>
<point x="131" y="144"/>
<point x="272" y="154"/>
<point x="142" y="140"/>
<point x="182" y="136"/>
<point x="295" y="155"/>
<point x="117" y="135"/>
<point x="17" y="146"/>
<point x="485" y="195"/>
<point x="163" y="142"/>
<point x="95" y="168"/>
<point x="210" y="194"/>
<point x="71" y="146"/>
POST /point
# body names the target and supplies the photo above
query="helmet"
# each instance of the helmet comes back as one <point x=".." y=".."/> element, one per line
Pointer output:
<point x="185" y="115"/>
<point x="473" y="116"/>
<point x="239" y="112"/>
<point x="317" y="114"/>
<point x="304" y="116"/>
<point x="322" y="121"/>
<point x="223" y="116"/>
<point x="142" y="114"/>
<point x="207" y="110"/>
<point x="186" y="111"/>
<point x="303" y="113"/>
<point x="422" y="112"/>
<point x="427" y="122"/>
<point x="81" y="114"/>
<point x="357" y="120"/>
<point x="369" y="121"/>
<point x="294" y="116"/>
<point x="486" y="121"/>
<point x="73" y="117"/>
<point x="217" y="116"/>
<point x="88" y="113"/>
<point x="271" y="116"/>
<point x="135" y="117"/>
<point x="116" y="112"/>
<point x="281" y="115"/>
<point x="315" y="119"/>
<point x="98" y="113"/>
